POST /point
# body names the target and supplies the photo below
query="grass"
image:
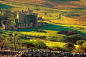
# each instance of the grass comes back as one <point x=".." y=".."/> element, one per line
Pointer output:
<point x="50" y="17"/>
<point x="51" y="13"/>
<point x="50" y="29"/>
<point x="52" y="44"/>
<point x="3" y="6"/>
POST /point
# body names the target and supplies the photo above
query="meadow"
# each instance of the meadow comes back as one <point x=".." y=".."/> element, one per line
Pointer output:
<point x="70" y="20"/>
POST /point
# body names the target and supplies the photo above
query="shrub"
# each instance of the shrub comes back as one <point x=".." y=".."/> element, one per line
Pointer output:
<point x="51" y="38"/>
<point x="80" y="42"/>
<point x="84" y="44"/>
<point x="39" y="44"/>
<point x="80" y="49"/>
<point x="40" y="30"/>
<point x="69" y="46"/>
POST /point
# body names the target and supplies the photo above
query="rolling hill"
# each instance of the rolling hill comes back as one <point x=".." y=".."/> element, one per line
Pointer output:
<point x="72" y="20"/>
<point x="58" y="4"/>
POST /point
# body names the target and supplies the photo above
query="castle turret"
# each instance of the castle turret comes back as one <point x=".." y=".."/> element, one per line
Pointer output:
<point x="22" y="11"/>
<point x="17" y="14"/>
<point x="36" y="16"/>
<point x="29" y="12"/>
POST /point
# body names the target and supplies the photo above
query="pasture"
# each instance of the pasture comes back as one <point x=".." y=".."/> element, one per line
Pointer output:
<point x="50" y="15"/>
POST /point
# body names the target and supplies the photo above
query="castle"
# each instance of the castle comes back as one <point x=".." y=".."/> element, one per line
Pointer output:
<point x="25" y="19"/>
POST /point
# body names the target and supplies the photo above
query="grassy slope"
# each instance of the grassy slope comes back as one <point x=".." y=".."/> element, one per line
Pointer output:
<point x="52" y="44"/>
<point x="52" y="15"/>
<point x="62" y="4"/>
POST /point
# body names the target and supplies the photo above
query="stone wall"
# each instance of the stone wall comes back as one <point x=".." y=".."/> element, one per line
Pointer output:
<point x="25" y="25"/>
<point x="36" y="16"/>
<point x="38" y="24"/>
<point x="22" y="17"/>
<point x="30" y="12"/>
<point x="7" y="27"/>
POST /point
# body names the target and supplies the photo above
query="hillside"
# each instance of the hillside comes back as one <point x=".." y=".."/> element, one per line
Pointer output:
<point x="58" y="15"/>
<point x="58" y="4"/>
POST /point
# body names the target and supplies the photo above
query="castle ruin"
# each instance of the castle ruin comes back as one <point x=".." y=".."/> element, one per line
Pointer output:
<point x="25" y="19"/>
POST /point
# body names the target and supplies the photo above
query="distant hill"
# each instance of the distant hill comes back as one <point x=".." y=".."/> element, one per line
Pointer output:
<point x="58" y="4"/>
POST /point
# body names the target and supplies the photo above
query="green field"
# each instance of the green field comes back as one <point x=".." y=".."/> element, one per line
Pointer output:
<point x="53" y="26"/>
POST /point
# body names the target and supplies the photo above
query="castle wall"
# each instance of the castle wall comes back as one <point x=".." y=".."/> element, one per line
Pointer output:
<point x="25" y="19"/>
<point x="30" y="12"/>
<point x="7" y="27"/>
<point x="39" y="18"/>
<point x="36" y="16"/>
<point x="22" y="17"/>
<point x="25" y="25"/>
<point x="38" y="24"/>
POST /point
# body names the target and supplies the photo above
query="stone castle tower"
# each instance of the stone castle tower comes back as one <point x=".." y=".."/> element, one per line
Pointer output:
<point x="25" y="19"/>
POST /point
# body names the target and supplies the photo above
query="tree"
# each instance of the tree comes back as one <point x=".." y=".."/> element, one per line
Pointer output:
<point x="59" y="16"/>
<point x="50" y="37"/>
<point x="17" y="42"/>
<point x="84" y="44"/>
<point x="80" y="42"/>
<point x="69" y="46"/>
<point x="4" y="42"/>
<point x="39" y="44"/>
<point x="2" y="18"/>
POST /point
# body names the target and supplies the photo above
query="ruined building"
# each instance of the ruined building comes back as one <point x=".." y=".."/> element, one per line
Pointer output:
<point x="25" y="19"/>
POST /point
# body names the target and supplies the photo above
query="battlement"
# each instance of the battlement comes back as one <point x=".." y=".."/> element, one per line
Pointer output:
<point x="28" y="12"/>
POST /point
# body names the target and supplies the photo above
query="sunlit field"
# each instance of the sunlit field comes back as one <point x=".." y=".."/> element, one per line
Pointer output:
<point x="70" y="18"/>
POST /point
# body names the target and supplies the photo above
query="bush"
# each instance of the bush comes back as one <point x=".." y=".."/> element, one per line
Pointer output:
<point x="80" y="49"/>
<point x="51" y="38"/>
<point x="39" y="44"/>
<point x="80" y="42"/>
<point x="69" y="46"/>
<point x="40" y="30"/>
<point x="84" y="44"/>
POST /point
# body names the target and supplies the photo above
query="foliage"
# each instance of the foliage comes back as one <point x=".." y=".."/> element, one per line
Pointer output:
<point x="2" y="18"/>
<point x="84" y="44"/>
<point x="11" y="41"/>
<point x="80" y="49"/>
<point x="80" y="42"/>
<point x="74" y="38"/>
<point x="69" y="46"/>
<point x="52" y="15"/>
<point x="61" y="39"/>
<point x="4" y="42"/>
<point x="16" y="40"/>
<point x="39" y="44"/>
<point x="50" y="37"/>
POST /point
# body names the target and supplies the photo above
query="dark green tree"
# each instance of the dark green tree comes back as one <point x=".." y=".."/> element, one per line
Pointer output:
<point x="39" y="44"/>
<point x="4" y="42"/>
<point x="16" y="41"/>
<point x="80" y="42"/>
<point x="69" y="46"/>
<point x="84" y="44"/>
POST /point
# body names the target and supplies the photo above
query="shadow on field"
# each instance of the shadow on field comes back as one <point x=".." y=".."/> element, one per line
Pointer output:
<point x="60" y="28"/>
<point x="3" y="6"/>
<point x="51" y="27"/>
